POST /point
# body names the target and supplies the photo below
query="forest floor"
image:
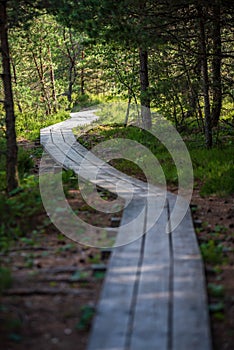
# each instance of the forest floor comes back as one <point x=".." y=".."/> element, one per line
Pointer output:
<point x="55" y="287"/>
<point x="214" y="222"/>
<point x="56" y="282"/>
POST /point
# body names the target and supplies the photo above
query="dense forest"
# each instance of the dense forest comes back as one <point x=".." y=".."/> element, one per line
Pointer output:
<point x="169" y="58"/>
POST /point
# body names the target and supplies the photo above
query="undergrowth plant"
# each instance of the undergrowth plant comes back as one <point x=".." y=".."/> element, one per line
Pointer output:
<point x="213" y="169"/>
<point x="19" y="212"/>
<point x="28" y="125"/>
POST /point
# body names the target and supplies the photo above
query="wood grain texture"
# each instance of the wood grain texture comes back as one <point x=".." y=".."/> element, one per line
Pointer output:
<point x="150" y="326"/>
<point x="190" y="313"/>
<point x="110" y="328"/>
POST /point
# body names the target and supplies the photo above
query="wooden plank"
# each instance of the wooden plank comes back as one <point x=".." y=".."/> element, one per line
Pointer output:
<point x="73" y="156"/>
<point x="45" y="137"/>
<point x="191" y="328"/>
<point x="69" y="137"/>
<point x="150" y="327"/>
<point x="132" y="226"/>
<point x="57" y="138"/>
<point x="110" y="327"/>
<point x="55" y="153"/>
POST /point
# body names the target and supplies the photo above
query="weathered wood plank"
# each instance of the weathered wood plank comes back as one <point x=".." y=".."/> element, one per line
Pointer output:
<point x="55" y="152"/>
<point x="45" y="137"/>
<point x="110" y="327"/>
<point x="132" y="225"/>
<point x="69" y="137"/>
<point x="190" y="312"/>
<point x="150" y="327"/>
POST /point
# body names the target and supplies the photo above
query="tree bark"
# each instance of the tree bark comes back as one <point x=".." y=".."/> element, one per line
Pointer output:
<point x="16" y="84"/>
<point x="72" y="53"/>
<point x="12" y="149"/>
<point x="82" y="75"/>
<point x="52" y="82"/>
<point x="205" y="78"/>
<point x="216" y="65"/>
<point x="40" y="72"/>
<point x="144" y="82"/>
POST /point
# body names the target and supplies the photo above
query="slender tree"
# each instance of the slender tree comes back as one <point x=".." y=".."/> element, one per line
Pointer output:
<point x="216" y="63"/>
<point x="205" y="76"/>
<point x="11" y="156"/>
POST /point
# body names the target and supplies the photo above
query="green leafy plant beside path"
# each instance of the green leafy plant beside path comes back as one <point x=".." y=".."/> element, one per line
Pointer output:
<point x="213" y="169"/>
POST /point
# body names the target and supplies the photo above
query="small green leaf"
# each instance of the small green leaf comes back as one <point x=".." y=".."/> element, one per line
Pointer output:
<point x="219" y="316"/>
<point x="216" y="307"/>
<point x="216" y="290"/>
<point x="76" y="276"/>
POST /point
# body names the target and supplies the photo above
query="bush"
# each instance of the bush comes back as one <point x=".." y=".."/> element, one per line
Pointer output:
<point x="25" y="162"/>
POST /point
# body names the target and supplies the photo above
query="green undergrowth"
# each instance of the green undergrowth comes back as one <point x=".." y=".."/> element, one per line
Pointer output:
<point x="20" y="213"/>
<point x="28" y="125"/>
<point x="26" y="162"/>
<point x="213" y="169"/>
<point x="86" y="101"/>
<point x="133" y="160"/>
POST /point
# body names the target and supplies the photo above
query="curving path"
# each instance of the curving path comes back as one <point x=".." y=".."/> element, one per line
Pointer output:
<point x="154" y="293"/>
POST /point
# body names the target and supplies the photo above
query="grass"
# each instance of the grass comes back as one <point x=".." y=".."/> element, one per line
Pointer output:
<point x="213" y="169"/>
<point x="19" y="213"/>
<point x="212" y="252"/>
<point x="110" y="132"/>
<point x="28" y="125"/>
<point x="86" y="101"/>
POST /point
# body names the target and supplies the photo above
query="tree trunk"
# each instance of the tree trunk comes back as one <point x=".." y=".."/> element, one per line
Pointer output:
<point x="82" y="75"/>
<point x="205" y="78"/>
<point x="40" y="72"/>
<point x="52" y="82"/>
<point x="128" y="108"/>
<point x="144" y="82"/>
<point x="12" y="150"/>
<point x="216" y="65"/>
<point x="16" y="84"/>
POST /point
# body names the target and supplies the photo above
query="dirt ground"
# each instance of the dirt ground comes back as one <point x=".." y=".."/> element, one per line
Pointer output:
<point x="214" y="221"/>
<point x="56" y="284"/>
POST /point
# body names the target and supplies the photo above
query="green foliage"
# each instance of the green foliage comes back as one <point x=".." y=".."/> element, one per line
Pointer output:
<point x="114" y="112"/>
<point x="96" y="259"/>
<point x="67" y="247"/>
<point x="19" y="212"/>
<point x="216" y="290"/>
<point x="28" y="125"/>
<point x="25" y="162"/>
<point x="215" y="168"/>
<point x="87" y="313"/>
<point x="85" y="101"/>
<point x="216" y="307"/>
<point x="108" y="132"/>
<point x="212" y="253"/>
<point x="5" y="279"/>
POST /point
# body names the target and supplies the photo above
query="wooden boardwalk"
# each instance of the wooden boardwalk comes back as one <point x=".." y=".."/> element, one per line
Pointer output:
<point x="154" y="293"/>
